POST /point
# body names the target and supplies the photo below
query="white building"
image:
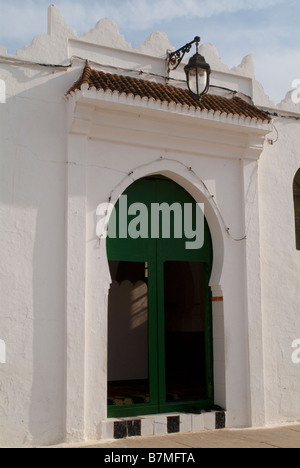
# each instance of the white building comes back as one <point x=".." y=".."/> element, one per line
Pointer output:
<point x="123" y="127"/>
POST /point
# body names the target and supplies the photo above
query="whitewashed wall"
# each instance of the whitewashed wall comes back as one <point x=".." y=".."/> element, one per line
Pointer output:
<point x="32" y="211"/>
<point x="53" y="276"/>
<point x="280" y="272"/>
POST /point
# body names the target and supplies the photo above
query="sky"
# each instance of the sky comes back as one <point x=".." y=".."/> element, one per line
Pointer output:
<point x="269" y="29"/>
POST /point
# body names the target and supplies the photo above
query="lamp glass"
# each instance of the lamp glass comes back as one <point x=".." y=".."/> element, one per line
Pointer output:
<point x="197" y="80"/>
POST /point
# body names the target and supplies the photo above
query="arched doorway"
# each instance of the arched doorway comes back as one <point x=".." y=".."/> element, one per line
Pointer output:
<point x="159" y="315"/>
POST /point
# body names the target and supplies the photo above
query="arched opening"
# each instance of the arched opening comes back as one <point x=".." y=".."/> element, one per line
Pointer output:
<point x="160" y="255"/>
<point x="296" y="189"/>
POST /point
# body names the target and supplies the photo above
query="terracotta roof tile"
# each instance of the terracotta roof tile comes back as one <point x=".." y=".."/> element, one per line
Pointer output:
<point x="165" y="93"/>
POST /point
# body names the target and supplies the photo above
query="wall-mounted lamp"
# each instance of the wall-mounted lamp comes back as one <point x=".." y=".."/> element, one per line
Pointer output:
<point x="197" y="70"/>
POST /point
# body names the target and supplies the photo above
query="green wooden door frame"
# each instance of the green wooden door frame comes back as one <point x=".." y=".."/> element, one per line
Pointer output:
<point x="156" y="252"/>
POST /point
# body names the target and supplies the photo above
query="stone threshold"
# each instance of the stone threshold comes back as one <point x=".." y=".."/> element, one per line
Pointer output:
<point x="162" y="424"/>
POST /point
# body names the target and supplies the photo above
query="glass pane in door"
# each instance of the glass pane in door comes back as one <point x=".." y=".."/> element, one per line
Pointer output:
<point x="184" y="331"/>
<point x="128" y="355"/>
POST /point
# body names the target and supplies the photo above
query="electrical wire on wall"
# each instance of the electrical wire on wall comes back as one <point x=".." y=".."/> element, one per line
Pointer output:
<point x="19" y="62"/>
<point x="277" y="134"/>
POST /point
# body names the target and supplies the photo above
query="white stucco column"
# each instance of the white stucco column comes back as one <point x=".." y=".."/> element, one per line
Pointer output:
<point x="97" y="290"/>
<point x="253" y="295"/>
<point x="76" y="288"/>
<point x="219" y="346"/>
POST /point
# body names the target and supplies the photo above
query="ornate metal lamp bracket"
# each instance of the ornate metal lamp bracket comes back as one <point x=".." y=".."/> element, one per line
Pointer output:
<point x="174" y="59"/>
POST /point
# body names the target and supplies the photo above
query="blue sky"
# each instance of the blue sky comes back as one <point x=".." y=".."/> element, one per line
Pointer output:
<point x="270" y="29"/>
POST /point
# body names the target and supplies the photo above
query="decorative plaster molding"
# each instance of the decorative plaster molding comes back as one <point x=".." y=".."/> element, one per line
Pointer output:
<point x="246" y="67"/>
<point x="289" y="104"/>
<point x="157" y="44"/>
<point x="107" y="116"/>
<point x="106" y="33"/>
<point x="51" y="47"/>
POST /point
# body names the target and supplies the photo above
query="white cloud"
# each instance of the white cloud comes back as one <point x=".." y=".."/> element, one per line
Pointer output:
<point x="18" y="21"/>
<point x="143" y="14"/>
<point x="23" y="18"/>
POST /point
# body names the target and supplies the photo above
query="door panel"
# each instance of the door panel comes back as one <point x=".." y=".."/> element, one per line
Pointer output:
<point x="184" y="331"/>
<point x="128" y="371"/>
<point x="132" y="349"/>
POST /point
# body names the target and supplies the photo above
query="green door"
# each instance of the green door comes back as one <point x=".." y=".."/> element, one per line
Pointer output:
<point x="159" y="315"/>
